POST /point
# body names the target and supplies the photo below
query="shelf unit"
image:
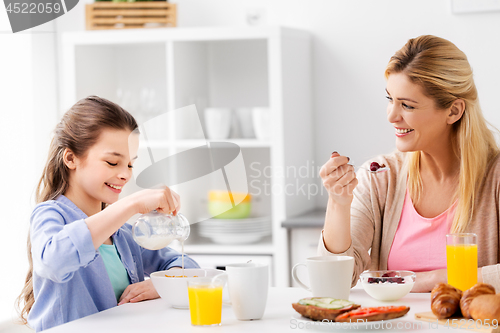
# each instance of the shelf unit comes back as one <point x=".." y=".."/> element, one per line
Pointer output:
<point x="263" y="247"/>
<point x="191" y="143"/>
<point x="212" y="67"/>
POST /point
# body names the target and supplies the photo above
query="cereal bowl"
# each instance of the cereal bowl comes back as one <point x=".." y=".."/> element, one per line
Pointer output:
<point x="387" y="285"/>
<point x="172" y="285"/>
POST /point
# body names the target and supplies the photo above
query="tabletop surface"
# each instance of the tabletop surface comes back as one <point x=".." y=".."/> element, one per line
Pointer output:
<point x="156" y="316"/>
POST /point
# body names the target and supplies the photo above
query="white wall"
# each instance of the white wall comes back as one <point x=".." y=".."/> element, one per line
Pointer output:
<point x="27" y="106"/>
<point x="16" y="137"/>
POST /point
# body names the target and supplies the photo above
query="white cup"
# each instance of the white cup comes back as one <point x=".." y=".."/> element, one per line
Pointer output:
<point x="261" y="118"/>
<point x="330" y="276"/>
<point x="248" y="285"/>
<point x="218" y="123"/>
<point x="245" y="122"/>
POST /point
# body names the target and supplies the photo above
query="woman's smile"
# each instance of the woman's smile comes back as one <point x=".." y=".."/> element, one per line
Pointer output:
<point x="400" y="132"/>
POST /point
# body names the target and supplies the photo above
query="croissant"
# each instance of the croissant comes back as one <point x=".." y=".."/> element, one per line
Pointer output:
<point x="473" y="292"/>
<point x="445" y="300"/>
<point x="485" y="307"/>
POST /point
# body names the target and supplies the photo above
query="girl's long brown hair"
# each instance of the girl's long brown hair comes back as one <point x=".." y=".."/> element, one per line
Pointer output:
<point x="445" y="74"/>
<point x="78" y="130"/>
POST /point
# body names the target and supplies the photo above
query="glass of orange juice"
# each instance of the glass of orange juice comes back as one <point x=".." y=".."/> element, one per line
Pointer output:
<point x="461" y="260"/>
<point x="205" y="300"/>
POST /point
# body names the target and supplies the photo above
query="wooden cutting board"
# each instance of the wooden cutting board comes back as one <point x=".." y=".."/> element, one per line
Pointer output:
<point x="458" y="322"/>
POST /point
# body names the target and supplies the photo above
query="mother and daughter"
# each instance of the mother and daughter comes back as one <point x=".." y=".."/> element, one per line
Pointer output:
<point x="445" y="177"/>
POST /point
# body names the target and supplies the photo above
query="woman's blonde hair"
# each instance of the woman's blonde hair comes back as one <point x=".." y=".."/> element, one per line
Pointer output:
<point x="444" y="73"/>
<point x="78" y="130"/>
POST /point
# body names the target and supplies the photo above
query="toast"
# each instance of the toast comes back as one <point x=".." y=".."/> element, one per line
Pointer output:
<point x="323" y="308"/>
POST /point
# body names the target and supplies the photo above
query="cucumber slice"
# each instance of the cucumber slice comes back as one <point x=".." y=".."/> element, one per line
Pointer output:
<point x="340" y="303"/>
<point x="326" y="302"/>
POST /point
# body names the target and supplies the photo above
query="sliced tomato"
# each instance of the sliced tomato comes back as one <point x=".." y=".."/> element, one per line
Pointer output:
<point x="371" y="311"/>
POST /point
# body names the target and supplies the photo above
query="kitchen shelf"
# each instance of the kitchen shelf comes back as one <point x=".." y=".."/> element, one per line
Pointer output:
<point x="243" y="143"/>
<point x="264" y="247"/>
<point x="202" y="34"/>
<point x="231" y="67"/>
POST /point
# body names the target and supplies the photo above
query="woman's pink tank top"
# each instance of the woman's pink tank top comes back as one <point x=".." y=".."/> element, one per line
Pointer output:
<point x="420" y="243"/>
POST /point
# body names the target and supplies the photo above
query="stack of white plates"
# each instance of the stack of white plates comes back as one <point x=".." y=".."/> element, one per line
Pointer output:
<point x="237" y="231"/>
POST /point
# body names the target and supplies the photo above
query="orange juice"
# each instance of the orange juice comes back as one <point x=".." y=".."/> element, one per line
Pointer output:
<point x="461" y="261"/>
<point x="205" y="304"/>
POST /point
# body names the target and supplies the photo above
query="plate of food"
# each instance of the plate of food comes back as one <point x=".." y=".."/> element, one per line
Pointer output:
<point x="329" y="313"/>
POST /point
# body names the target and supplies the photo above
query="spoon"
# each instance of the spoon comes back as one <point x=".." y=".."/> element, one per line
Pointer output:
<point x="378" y="168"/>
<point x="374" y="165"/>
<point x="384" y="169"/>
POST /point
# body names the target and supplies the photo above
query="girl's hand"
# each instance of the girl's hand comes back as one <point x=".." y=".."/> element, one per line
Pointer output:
<point x="137" y="292"/>
<point x="163" y="200"/>
<point x="425" y="281"/>
<point x="339" y="179"/>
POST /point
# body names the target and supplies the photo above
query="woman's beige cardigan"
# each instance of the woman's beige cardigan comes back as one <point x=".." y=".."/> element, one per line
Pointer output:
<point x="376" y="211"/>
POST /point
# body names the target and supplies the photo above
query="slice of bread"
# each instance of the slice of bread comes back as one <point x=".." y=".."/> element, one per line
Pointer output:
<point x="323" y="308"/>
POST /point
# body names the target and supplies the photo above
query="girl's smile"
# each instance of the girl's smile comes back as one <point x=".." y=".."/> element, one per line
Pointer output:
<point x="115" y="188"/>
<point x="99" y="176"/>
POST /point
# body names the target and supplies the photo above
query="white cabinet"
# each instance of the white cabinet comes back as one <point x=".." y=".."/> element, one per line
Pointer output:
<point x="211" y="67"/>
<point x="303" y="245"/>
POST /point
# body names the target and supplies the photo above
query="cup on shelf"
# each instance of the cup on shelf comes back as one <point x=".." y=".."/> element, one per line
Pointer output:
<point x="218" y="123"/>
<point x="261" y="119"/>
<point x="245" y="122"/>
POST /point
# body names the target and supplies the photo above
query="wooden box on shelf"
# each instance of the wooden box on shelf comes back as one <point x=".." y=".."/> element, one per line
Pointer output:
<point x="130" y="15"/>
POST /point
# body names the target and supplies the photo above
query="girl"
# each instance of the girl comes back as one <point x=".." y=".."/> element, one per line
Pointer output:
<point x="445" y="176"/>
<point x="82" y="257"/>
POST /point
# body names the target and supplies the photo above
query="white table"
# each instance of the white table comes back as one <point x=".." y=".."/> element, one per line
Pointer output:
<point x="155" y="316"/>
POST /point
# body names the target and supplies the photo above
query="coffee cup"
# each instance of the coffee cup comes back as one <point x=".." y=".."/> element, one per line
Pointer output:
<point x="218" y="123"/>
<point x="329" y="276"/>
<point x="261" y="119"/>
<point x="248" y="285"/>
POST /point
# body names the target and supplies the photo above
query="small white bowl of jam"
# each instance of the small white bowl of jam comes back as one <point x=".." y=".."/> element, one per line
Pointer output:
<point x="387" y="285"/>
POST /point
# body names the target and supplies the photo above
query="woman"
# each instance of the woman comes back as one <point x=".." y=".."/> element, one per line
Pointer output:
<point x="445" y="176"/>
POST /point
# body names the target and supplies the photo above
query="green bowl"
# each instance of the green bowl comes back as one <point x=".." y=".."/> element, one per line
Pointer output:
<point x="225" y="210"/>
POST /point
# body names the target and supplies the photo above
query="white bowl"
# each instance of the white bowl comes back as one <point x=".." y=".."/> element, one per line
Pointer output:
<point x="387" y="285"/>
<point x="173" y="289"/>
